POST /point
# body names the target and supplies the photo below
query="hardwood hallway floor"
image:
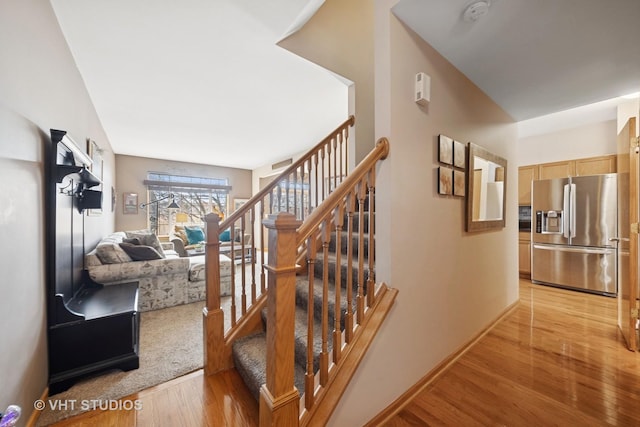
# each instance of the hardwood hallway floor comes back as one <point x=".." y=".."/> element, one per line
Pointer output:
<point x="556" y="360"/>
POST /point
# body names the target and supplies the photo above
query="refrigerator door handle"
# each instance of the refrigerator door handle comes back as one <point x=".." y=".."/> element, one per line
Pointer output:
<point x="565" y="211"/>
<point x="572" y="211"/>
<point x="595" y="251"/>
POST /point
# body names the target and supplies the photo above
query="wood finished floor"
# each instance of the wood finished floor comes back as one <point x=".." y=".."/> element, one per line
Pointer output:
<point x="557" y="360"/>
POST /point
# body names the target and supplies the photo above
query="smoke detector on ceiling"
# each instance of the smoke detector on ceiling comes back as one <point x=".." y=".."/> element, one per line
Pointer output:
<point x="475" y="11"/>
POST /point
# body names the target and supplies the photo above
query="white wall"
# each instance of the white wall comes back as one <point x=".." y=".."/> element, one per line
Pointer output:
<point x="41" y="89"/>
<point x="630" y="108"/>
<point x="590" y="140"/>
<point x="451" y="283"/>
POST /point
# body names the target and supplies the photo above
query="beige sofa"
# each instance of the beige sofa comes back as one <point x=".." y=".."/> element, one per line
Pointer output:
<point x="162" y="283"/>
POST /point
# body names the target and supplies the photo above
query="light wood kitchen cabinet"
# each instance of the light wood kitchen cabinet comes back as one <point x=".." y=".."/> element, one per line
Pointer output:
<point x="596" y="165"/>
<point x="526" y="175"/>
<point x="557" y="170"/>
<point x="524" y="257"/>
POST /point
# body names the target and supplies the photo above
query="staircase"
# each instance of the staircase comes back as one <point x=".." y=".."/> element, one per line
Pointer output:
<point x="312" y="243"/>
<point x="249" y="353"/>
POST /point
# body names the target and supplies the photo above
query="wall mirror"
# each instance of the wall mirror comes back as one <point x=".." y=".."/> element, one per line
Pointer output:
<point x="487" y="182"/>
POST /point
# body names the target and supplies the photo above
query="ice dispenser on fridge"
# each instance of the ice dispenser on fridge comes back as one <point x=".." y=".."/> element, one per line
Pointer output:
<point x="549" y="222"/>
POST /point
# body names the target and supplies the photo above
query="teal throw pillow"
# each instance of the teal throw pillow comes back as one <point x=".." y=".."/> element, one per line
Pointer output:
<point x="225" y="236"/>
<point x="195" y="235"/>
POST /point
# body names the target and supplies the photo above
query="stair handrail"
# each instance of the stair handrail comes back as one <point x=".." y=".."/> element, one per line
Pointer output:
<point x="259" y="196"/>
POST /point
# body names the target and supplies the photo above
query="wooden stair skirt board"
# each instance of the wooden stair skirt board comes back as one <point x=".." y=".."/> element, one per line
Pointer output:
<point x="249" y="352"/>
<point x="397" y="405"/>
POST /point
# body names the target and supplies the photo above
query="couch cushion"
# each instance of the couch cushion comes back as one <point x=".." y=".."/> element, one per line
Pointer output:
<point x="195" y="234"/>
<point x="147" y="239"/>
<point x="181" y="234"/>
<point x="140" y="252"/>
<point x="108" y="250"/>
<point x="225" y="236"/>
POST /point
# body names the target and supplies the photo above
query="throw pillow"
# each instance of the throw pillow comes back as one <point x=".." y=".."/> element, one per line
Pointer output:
<point x="225" y="236"/>
<point x="194" y="235"/>
<point x="133" y="241"/>
<point x="140" y="252"/>
<point x="111" y="253"/>
<point x="147" y="239"/>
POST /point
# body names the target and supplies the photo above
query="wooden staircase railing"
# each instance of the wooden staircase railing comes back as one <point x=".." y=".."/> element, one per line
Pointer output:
<point x="353" y="202"/>
<point x="298" y="190"/>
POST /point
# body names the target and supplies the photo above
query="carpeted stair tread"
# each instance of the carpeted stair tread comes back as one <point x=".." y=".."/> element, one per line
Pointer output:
<point x="302" y="299"/>
<point x="250" y="358"/>
<point x="344" y="239"/>
<point x="344" y="262"/>
<point x="300" y="337"/>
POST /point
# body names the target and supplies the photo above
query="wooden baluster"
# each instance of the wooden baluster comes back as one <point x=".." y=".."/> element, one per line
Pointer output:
<point x="279" y="199"/>
<point x="346" y="150"/>
<point x="317" y="188"/>
<point x="337" y="332"/>
<point x="243" y="274"/>
<point x="309" y="168"/>
<point x="252" y="247"/>
<point x="371" y="280"/>
<point x="233" y="277"/>
<point x="362" y="193"/>
<point x="295" y="194"/>
<point x="330" y="176"/>
<point x="341" y="151"/>
<point x="263" y="281"/>
<point x="287" y="193"/>
<point x="324" y="355"/>
<point x="336" y="177"/>
<point x="310" y="375"/>
<point x="323" y="183"/>
<point x="348" y="321"/>
<point x="212" y="314"/>
<point x="279" y="399"/>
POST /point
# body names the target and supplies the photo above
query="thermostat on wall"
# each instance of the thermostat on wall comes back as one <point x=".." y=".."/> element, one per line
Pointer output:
<point x="423" y="89"/>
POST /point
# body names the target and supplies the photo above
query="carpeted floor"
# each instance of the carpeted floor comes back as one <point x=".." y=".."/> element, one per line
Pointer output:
<point x="170" y="346"/>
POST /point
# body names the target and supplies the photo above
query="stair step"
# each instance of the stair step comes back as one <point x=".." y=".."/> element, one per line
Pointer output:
<point x="356" y="222"/>
<point x="250" y="357"/>
<point x="319" y="265"/>
<point x="302" y="299"/>
<point x="344" y="239"/>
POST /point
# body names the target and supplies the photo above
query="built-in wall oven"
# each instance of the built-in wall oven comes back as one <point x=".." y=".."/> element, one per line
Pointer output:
<point x="524" y="218"/>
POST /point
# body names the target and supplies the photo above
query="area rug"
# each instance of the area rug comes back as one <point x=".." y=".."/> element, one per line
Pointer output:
<point x="170" y="346"/>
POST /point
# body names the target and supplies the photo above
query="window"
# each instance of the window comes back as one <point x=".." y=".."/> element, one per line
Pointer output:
<point x="196" y="196"/>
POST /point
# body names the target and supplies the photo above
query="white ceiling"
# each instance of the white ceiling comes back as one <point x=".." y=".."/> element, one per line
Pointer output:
<point x="204" y="81"/>
<point x="200" y="80"/>
<point x="536" y="57"/>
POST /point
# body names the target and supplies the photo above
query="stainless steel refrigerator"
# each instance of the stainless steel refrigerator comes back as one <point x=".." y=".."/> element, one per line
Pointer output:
<point x="574" y="233"/>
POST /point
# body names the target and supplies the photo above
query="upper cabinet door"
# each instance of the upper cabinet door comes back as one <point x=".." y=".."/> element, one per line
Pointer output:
<point x="558" y="170"/>
<point x="526" y="175"/>
<point x="596" y="165"/>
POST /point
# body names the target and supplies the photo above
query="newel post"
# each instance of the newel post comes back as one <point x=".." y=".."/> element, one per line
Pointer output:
<point x="279" y="399"/>
<point x="212" y="314"/>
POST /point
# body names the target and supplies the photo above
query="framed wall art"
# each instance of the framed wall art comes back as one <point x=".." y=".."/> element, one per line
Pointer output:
<point x="445" y="180"/>
<point x="445" y="149"/>
<point x="130" y="203"/>
<point x="459" y="154"/>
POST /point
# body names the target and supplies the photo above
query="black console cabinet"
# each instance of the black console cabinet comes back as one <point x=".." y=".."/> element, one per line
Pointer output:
<point x="91" y="327"/>
<point x="106" y="335"/>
